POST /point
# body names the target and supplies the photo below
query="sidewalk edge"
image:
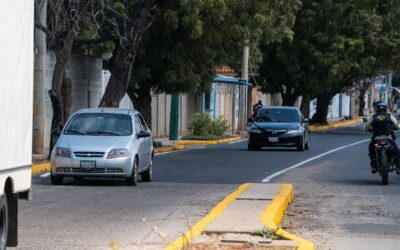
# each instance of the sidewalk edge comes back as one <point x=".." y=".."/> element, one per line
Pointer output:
<point x="41" y="168"/>
<point x="335" y="125"/>
<point x="273" y="215"/>
<point x="199" y="227"/>
<point x="236" y="138"/>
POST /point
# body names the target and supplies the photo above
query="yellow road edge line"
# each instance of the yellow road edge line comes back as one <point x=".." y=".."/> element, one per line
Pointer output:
<point x="184" y="240"/>
<point x="334" y="125"/>
<point x="41" y="168"/>
<point x="168" y="148"/>
<point x="273" y="215"/>
<point x="236" y="138"/>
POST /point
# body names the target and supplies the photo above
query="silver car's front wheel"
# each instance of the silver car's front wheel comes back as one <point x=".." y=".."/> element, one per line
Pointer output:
<point x="147" y="175"/>
<point x="133" y="179"/>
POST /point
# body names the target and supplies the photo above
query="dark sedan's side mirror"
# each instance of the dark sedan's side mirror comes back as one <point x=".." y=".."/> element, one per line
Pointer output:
<point x="365" y="120"/>
<point x="56" y="131"/>
<point x="143" y="134"/>
<point x="306" y="121"/>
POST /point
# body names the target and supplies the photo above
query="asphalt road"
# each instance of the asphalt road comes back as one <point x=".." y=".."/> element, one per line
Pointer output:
<point x="340" y="205"/>
<point x="94" y="214"/>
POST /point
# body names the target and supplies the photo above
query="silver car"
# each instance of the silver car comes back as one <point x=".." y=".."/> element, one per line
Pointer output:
<point x="103" y="142"/>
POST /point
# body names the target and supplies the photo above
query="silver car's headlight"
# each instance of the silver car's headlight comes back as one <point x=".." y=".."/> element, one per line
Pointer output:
<point x="117" y="153"/>
<point x="63" y="152"/>
<point x="255" y="131"/>
<point x="294" y="132"/>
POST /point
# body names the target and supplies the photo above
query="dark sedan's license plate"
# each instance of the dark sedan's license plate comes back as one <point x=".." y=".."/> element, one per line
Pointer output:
<point x="88" y="165"/>
<point x="273" y="139"/>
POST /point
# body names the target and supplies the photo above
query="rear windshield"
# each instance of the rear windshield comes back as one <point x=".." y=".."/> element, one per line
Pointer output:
<point x="99" y="124"/>
<point x="278" y="115"/>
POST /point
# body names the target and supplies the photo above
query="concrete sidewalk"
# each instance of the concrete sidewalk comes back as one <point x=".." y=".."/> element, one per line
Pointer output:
<point x="249" y="218"/>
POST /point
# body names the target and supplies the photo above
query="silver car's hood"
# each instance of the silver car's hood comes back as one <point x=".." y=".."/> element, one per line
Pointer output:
<point x="93" y="143"/>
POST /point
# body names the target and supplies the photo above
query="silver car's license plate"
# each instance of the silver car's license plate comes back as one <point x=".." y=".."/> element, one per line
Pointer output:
<point x="273" y="139"/>
<point x="88" y="165"/>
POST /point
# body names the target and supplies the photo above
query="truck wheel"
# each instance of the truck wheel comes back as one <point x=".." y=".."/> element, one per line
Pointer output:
<point x="3" y="221"/>
<point x="56" y="180"/>
<point x="133" y="179"/>
<point x="147" y="176"/>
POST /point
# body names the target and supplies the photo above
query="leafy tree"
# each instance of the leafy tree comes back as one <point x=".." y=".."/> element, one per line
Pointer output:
<point x="189" y="39"/>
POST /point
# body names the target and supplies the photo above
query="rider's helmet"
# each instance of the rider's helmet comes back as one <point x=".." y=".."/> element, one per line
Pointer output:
<point x="381" y="107"/>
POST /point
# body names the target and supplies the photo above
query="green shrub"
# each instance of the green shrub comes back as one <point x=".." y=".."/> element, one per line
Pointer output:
<point x="199" y="124"/>
<point x="202" y="125"/>
<point x="218" y="127"/>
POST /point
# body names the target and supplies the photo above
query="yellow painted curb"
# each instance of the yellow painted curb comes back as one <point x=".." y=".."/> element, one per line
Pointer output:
<point x="41" y="168"/>
<point x="184" y="240"/>
<point x="236" y="138"/>
<point x="334" y="125"/>
<point x="273" y="214"/>
<point x="168" y="148"/>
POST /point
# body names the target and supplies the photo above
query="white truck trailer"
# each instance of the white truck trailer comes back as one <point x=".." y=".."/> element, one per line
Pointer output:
<point x="16" y="100"/>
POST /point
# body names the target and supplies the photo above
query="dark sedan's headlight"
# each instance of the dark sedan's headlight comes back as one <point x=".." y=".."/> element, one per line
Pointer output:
<point x="255" y="131"/>
<point x="294" y="132"/>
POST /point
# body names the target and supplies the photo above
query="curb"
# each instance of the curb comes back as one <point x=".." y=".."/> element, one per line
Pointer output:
<point x="184" y="240"/>
<point x="168" y="148"/>
<point x="273" y="215"/>
<point x="182" y="143"/>
<point x="315" y="128"/>
<point x="45" y="167"/>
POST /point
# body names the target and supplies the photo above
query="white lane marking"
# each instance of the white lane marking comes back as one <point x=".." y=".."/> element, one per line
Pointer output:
<point x="232" y="142"/>
<point x="45" y="175"/>
<point x="175" y="151"/>
<point x="269" y="178"/>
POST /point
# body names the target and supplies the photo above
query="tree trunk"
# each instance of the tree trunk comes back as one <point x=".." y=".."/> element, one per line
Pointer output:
<point x="126" y="54"/>
<point x="323" y="102"/>
<point x="362" y="102"/>
<point x="289" y="99"/>
<point x="305" y="106"/>
<point x="141" y="99"/>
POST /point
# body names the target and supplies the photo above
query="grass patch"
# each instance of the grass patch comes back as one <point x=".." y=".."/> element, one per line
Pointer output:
<point x="205" y="137"/>
<point x="265" y="233"/>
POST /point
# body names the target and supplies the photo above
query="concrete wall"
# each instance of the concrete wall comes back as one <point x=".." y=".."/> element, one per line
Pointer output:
<point x="333" y="109"/>
<point x="86" y="76"/>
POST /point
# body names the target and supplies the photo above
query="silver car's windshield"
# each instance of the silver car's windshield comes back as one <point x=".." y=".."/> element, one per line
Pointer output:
<point x="278" y="115"/>
<point x="99" y="124"/>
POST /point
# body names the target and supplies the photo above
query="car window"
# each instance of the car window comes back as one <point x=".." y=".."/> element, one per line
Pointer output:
<point x="99" y="124"/>
<point x="278" y="115"/>
<point x="138" y="126"/>
<point x="142" y="122"/>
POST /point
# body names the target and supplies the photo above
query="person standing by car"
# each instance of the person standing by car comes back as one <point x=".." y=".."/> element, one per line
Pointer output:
<point x="382" y="124"/>
<point x="256" y="108"/>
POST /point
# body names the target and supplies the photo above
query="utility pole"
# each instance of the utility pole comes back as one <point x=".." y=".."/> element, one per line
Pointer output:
<point x="243" y="89"/>
<point x="39" y="113"/>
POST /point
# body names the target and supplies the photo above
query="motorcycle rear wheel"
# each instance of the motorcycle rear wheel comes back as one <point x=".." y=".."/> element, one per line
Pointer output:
<point x="384" y="165"/>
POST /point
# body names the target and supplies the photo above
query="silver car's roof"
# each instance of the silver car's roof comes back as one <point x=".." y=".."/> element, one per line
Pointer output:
<point x="106" y="110"/>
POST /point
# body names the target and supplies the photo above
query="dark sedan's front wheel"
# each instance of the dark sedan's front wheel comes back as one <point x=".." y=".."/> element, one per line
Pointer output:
<point x="301" y="146"/>
<point x="253" y="147"/>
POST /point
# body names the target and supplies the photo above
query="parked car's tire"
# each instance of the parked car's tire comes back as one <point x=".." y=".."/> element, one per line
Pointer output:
<point x="133" y="179"/>
<point x="147" y="176"/>
<point x="301" y="145"/>
<point x="56" y="180"/>
<point x="3" y="221"/>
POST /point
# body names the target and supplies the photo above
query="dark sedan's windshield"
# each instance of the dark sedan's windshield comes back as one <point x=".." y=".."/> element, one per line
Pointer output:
<point x="278" y="115"/>
<point x="100" y="124"/>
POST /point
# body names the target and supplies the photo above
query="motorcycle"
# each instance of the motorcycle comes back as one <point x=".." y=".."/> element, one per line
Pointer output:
<point x="385" y="157"/>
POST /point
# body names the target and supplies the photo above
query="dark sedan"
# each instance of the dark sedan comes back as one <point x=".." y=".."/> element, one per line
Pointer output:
<point x="279" y="127"/>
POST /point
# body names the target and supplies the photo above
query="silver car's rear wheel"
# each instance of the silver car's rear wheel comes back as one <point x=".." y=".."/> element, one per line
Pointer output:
<point x="3" y="222"/>
<point x="133" y="179"/>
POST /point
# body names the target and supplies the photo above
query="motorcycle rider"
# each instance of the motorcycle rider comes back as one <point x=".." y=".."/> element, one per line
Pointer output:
<point x="256" y="108"/>
<point x="382" y="123"/>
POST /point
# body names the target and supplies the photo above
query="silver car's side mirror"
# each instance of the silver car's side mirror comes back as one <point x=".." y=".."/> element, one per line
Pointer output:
<point x="143" y="134"/>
